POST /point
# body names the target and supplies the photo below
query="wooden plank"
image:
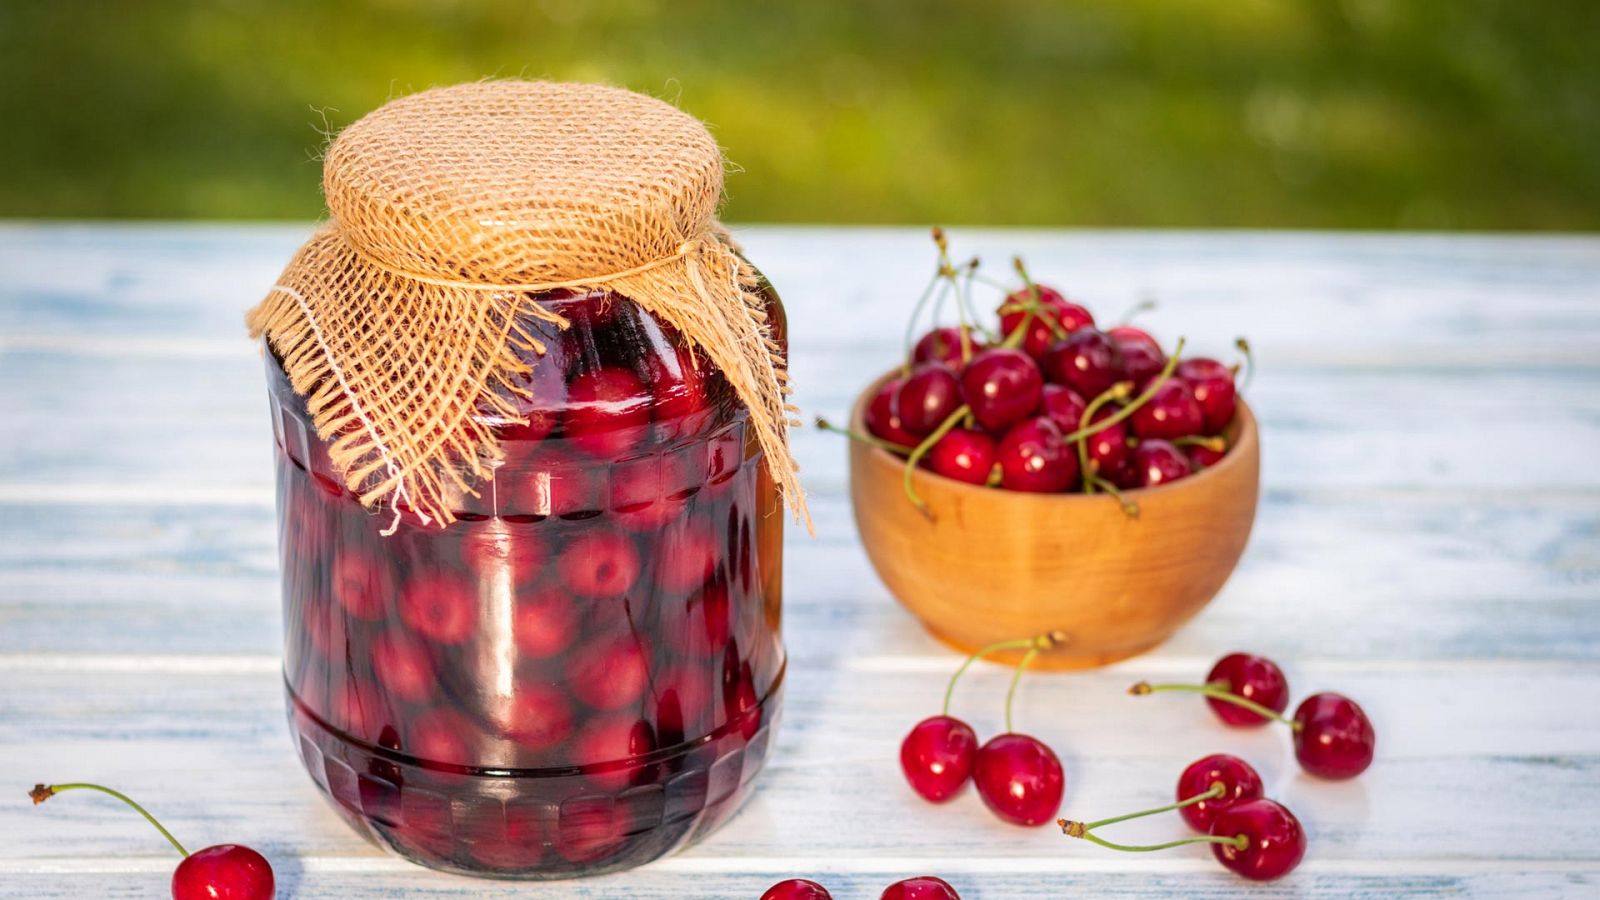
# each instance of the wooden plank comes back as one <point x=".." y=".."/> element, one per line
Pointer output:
<point x="140" y="426"/>
<point x="209" y="751"/>
<point x="1336" y="577"/>
<point x="669" y="880"/>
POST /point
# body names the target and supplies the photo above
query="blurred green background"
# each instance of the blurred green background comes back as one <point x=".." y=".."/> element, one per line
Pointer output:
<point x="1363" y="113"/>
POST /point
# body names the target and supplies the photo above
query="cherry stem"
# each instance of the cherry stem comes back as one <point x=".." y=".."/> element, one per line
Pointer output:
<point x="1016" y="677"/>
<point x="1249" y="362"/>
<point x="1142" y="399"/>
<point x="1129" y="508"/>
<point x="1132" y="312"/>
<point x="1014" y="339"/>
<point x="1118" y="391"/>
<point x="852" y="434"/>
<point x="1217" y="691"/>
<point x="1241" y="842"/>
<point x="964" y="293"/>
<point x="43" y="792"/>
<point x="922" y="302"/>
<point x="921" y="450"/>
<point x="1216" y="443"/>
<point x="1215" y="792"/>
<point x="1033" y="644"/>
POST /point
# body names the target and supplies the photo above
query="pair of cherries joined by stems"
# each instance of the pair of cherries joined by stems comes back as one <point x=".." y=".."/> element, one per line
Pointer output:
<point x="222" y="872"/>
<point x="1221" y="796"/>
<point x="922" y="887"/>
<point x="1018" y="776"/>
<point x="1333" y="738"/>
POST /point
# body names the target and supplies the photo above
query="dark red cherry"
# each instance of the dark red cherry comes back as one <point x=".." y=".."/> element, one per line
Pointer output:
<point x="1058" y="316"/>
<point x="1003" y="386"/>
<point x="544" y="623"/>
<point x="223" y="872"/>
<point x="882" y="420"/>
<point x="599" y="563"/>
<point x="1240" y="782"/>
<point x="1062" y="405"/>
<point x="797" y="889"/>
<point x="1085" y="361"/>
<point x="539" y="717"/>
<point x="1159" y="462"/>
<point x="403" y="665"/>
<point x="361" y="584"/>
<point x="937" y="757"/>
<point x="611" y="675"/>
<point x="439" y="608"/>
<point x="1333" y="737"/>
<point x="1213" y="387"/>
<point x="927" y="398"/>
<point x="1274" y="841"/>
<point x="1034" y="458"/>
<point x="943" y="346"/>
<point x="964" y="454"/>
<point x="678" y="387"/>
<point x="1108" y="447"/>
<point x="1171" y="412"/>
<point x="606" y="747"/>
<point x="923" y="887"/>
<point x="1252" y="677"/>
<point x="1202" y="457"/>
<point x="1138" y="354"/>
<point x="608" y="411"/>
<point x="440" y="736"/>
<point x="1019" y="779"/>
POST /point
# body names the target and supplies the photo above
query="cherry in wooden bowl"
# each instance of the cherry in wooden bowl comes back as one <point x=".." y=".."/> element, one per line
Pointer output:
<point x="987" y="565"/>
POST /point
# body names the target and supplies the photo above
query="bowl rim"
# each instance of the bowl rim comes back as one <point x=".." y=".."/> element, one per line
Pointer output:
<point x="1244" y="418"/>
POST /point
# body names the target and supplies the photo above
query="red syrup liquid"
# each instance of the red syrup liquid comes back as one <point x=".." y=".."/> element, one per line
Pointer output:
<point x="582" y="673"/>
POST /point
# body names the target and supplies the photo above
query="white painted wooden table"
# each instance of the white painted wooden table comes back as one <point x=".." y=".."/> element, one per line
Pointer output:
<point x="1428" y="542"/>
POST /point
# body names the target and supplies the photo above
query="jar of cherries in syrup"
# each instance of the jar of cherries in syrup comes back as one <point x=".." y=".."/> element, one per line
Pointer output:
<point x="583" y="671"/>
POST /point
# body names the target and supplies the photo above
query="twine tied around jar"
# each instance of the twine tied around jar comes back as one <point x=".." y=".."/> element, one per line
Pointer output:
<point x="401" y="319"/>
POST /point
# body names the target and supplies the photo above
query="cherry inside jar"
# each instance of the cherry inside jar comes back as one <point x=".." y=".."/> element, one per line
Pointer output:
<point x="584" y="671"/>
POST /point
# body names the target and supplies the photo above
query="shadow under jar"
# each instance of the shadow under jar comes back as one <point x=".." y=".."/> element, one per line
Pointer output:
<point x="584" y="671"/>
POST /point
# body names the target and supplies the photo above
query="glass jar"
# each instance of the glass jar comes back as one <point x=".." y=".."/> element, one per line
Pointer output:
<point x="584" y="671"/>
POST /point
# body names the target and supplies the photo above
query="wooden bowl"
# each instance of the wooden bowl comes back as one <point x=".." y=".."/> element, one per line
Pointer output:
<point x="993" y="565"/>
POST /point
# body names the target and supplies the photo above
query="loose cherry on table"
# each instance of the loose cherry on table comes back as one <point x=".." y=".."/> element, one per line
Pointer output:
<point x="797" y="889"/>
<point x="1257" y="838"/>
<point x="1238" y="780"/>
<point x="1017" y="775"/>
<point x="923" y="887"/>
<point x="1333" y="738"/>
<point x="222" y="872"/>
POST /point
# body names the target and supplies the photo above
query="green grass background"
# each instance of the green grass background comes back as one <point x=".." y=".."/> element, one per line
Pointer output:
<point x="1478" y="114"/>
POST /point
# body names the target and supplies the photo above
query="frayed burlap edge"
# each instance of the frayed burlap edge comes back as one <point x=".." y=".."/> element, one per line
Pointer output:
<point x="434" y="445"/>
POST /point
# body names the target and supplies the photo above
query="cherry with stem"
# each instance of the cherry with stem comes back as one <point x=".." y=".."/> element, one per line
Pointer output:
<point x="869" y="439"/>
<point x="1085" y="830"/>
<point x="1215" y="691"/>
<point x="221" y="872"/>
<point x="921" y="450"/>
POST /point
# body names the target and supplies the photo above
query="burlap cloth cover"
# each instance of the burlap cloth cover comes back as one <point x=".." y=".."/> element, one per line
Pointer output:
<point x="398" y="319"/>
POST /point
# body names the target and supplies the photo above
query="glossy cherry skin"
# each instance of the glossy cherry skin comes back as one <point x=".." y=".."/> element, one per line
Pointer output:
<point x="1034" y="458"/>
<point x="1019" y="779"/>
<point x="1252" y="677"/>
<point x="937" y="757"/>
<point x="1333" y="737"/>
<point x="1003" y="386"/>
<point x="1159" y="462"/>
<point x="1108" y="448"/>
<point x="797" y="889"/>
<point x="1213" y="387"/>
<point x="1171" y="412"/>
<point x="1203" y="457"/>
<point x="927" y="398"/>
<point x="1062" y="405"/>
<point x="882" y="420"/>
<point x="223" y="872"/>
<point x="1277" y="842"/>
<point x="964" y="454"/>
<point x="1239" y="780"/>
<point x="923" y="887"/>
<point x="1086" y="362"/>
<point x="943" y="346"/>
<point x="610" y="408"/>
<point x="1058" y="316"/>
<point x="1138" y="354"/>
